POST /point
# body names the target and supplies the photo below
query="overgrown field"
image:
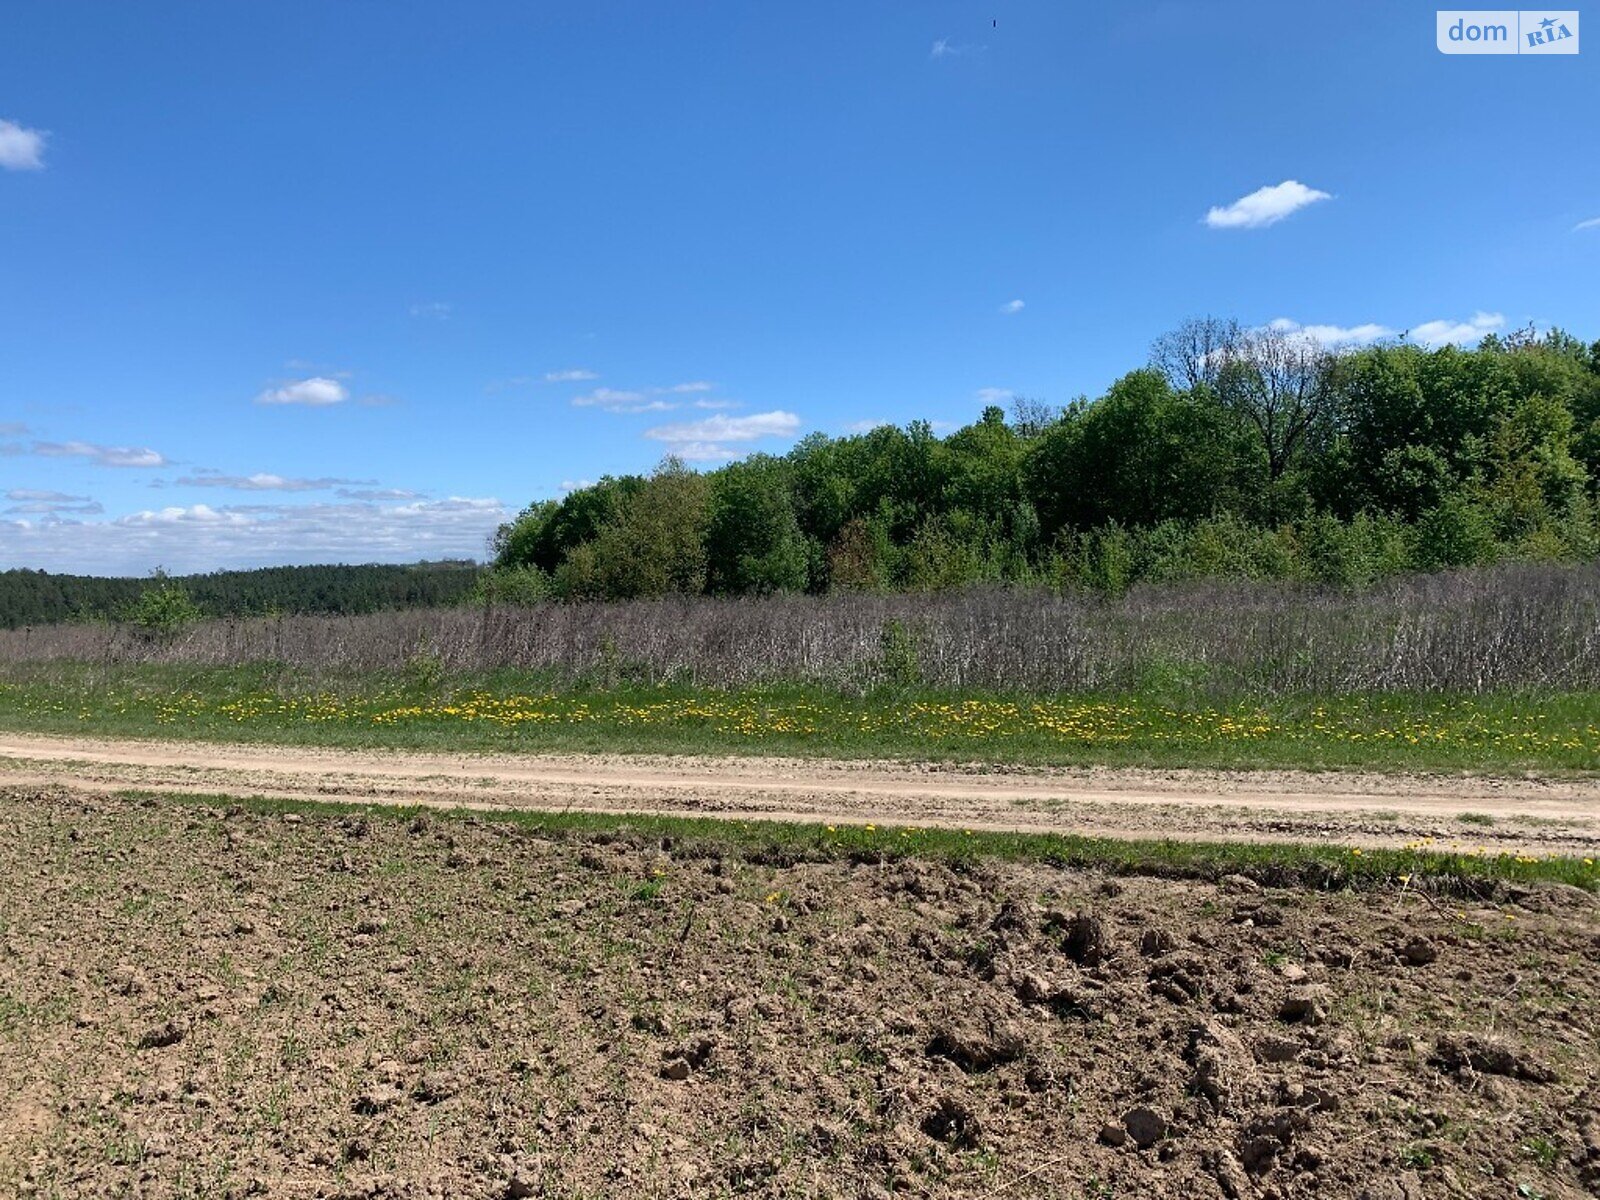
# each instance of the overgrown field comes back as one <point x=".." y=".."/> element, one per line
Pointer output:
<point x="1489" y="630"/>
<point x="1488" y="670"/>
<point x="200" y="1000"/>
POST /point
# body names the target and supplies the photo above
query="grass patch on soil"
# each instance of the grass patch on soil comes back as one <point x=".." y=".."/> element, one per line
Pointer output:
<point x="517" y="712"/>
<point x="1321" y="866"/>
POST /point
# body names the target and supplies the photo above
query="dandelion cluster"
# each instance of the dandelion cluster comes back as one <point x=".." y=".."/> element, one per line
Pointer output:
<point x="1442" y="724"/>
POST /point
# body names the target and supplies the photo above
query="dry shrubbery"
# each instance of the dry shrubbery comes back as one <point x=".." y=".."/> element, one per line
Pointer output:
<point x="1473" y="631"/>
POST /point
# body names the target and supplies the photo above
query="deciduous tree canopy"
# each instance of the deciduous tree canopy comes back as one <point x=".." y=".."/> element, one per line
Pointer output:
<point x="1236" y="452"/>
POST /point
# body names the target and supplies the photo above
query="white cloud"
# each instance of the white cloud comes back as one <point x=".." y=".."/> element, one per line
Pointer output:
<point x="21" y="149"/>
<point x="704" y="440"/>
<point x="994" y="395"/>
<point x="203" y="538"/>
<point x="716" y="404"/>
<point x="573" y="485"/>
<point x="866" y="426"/>
<point x="1442" y="333"/>
<point x="318" y="391"/>
<point x="1264" y="206"/>
<point x="613" y="401"/>
<point x="1333" y="336"/>
<point x="434" y="311"/>
<point x="945" y="48"/>
<point x="1011" y="307"/>
<point x="263" y="481"/>
<point x="1591" y="223"/>
<point x="1428" y="333"/>
<point x="697" y="385"/>
<point x="571" y="375"/>
<point x="102" y="456"/>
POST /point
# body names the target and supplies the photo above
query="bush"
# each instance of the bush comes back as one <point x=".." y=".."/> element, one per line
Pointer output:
<point x="163" y="611"/>
<point x="898" y="658"/>
<point x="523" y="586"/>
<point x="1455" y="533"/>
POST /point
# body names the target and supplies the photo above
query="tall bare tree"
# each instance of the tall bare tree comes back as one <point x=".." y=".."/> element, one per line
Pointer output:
<point x="1279" y="383"/>
<point x="1195" y="352"/>
<point x="1031" y="417"/>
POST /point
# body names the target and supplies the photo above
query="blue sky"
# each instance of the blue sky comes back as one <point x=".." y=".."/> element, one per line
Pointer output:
<point x="353" y="281"/>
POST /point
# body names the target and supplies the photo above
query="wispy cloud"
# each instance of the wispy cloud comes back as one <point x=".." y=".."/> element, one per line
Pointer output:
<point x="435" y="310"/>
<point x="1591" y="223"/>
<point x="570" y="375"/>
<point x="1012" y="307"/>
<point x="679" y="389"/>
<point x="317" y="392"/>
<point x="21" y="149"/>
<point x="34" y="502"/>
<point x="866" y="426"/>
<point x="728" y="429"/>
<point x="1265" y="206"/>
<point x="707" y="440"/>
<point x="945" y="48"/>
<point x="374" y="494"/>
<point x="712" y="403"/>
<point x="102" y="456"/>
<point x="614" y="401"/>
<point x="263" y="481"/>
<point x="994" y="395"/>
<point x="12" y="429"/>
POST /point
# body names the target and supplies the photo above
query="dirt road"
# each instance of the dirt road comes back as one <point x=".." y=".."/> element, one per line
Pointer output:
<point x="1516" y="814"/>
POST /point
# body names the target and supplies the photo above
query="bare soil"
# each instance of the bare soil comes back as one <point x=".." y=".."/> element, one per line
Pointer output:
<point x="200" y="1001"/>
<point x="1517" y="815"/>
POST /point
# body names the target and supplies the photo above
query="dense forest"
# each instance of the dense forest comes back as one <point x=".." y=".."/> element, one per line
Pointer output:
<point x="38" y="598"/>
<point x="1246" y="453"/>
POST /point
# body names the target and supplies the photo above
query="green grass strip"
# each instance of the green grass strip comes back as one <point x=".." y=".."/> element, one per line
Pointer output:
<point x="521" y="713"/>
<point x="1278" y="864"/>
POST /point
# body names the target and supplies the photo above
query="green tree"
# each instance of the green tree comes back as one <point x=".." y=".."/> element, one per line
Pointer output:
<point x="753" y="539"/>
<point x="653" y="545"/>
<point x="1141" y="455"/>
<point x="164" y="609"/>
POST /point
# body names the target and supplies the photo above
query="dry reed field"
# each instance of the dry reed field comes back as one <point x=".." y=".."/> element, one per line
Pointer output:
<point x="1510" y="627"/>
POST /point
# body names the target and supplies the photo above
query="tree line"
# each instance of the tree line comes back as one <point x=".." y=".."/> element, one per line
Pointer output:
<point x="1233" y="453"/>
<point x="39" y="597"/>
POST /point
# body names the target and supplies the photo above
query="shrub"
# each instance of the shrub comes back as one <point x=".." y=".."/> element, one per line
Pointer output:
<point x="898" y="659"/>
<point x="526" y="585"/>
<point x="163" y="611"/>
